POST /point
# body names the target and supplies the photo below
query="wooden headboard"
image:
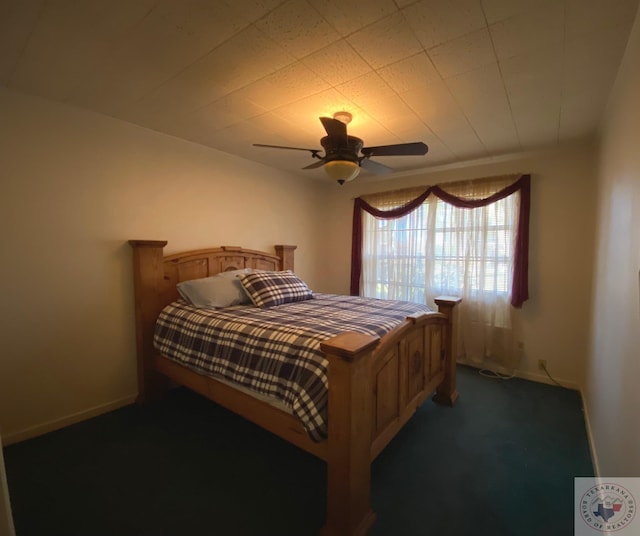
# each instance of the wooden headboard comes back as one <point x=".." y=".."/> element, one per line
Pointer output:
<point x="156" y="276"/>
<point x="207" y="262"/>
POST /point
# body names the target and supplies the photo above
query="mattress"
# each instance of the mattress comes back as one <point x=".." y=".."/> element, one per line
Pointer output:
<point x="275" y="352"/>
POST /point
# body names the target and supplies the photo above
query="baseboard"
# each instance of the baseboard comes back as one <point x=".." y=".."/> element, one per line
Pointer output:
<point x="525" y="375"/>
<point x="543" y="378"/>
<point x="40" y="429"/>
<point x="592" y="444"/>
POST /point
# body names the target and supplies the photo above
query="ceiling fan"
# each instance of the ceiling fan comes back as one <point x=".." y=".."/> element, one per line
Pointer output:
<point x="344" y="155"/>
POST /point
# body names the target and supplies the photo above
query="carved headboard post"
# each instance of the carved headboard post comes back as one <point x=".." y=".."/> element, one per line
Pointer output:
<point x="286" y="256"/>
<point x="148" y="270"/>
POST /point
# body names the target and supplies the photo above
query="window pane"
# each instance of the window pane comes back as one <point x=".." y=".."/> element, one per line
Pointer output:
<point x="440" y="249"/>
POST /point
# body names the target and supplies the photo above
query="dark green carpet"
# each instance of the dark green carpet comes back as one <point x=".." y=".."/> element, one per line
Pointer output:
<point x="501" y="462"/>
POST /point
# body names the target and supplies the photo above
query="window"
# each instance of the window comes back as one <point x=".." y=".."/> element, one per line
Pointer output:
<point x="441" y="247"/>
<point x="438" y="248"/>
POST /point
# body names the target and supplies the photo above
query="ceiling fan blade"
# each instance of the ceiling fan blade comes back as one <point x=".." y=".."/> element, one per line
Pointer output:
<point x="375" y="167"/>
<point x="317" y="164"/>
<point x="400" y="149"/>
<point x="336" y="129"/>
<point x="312" y="151"/>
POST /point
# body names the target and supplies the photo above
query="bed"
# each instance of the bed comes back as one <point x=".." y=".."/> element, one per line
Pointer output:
<point x="375" y="383"/>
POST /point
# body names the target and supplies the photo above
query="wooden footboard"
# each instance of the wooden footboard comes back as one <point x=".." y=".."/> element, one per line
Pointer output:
<point x="375" y="385"/>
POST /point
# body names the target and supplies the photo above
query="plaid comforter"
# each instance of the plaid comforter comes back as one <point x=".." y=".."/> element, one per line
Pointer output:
<point x="274" y="351"/>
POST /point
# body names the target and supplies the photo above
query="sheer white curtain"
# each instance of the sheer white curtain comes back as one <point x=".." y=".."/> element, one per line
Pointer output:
<point x="440" y="249"/>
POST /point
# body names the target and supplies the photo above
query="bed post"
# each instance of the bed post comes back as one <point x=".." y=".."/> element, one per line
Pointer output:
<point x="349" y="510"/>
<point x="286" y="256"/>
<point x="148" y="276"/>
<point x="446" y="393"/>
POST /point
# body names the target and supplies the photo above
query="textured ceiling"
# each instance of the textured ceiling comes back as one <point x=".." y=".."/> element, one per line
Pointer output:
<point x="471" y="78"/>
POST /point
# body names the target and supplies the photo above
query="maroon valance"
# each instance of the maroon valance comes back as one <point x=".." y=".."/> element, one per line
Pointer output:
<point x="520" y="286"/>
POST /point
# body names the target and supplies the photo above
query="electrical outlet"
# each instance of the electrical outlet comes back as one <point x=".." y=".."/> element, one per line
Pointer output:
<point x="542" y="364"/>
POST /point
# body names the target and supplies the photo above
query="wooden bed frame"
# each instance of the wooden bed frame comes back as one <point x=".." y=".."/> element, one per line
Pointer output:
<point x="375" y="385"/>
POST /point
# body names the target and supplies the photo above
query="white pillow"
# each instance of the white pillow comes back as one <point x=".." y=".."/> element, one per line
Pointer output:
<point x="221" y="290"/>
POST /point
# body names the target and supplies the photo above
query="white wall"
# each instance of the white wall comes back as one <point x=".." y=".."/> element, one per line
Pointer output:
<point x="612" y="392"/>
<point x="75" y="186"/>
<point x="555" y="320"/>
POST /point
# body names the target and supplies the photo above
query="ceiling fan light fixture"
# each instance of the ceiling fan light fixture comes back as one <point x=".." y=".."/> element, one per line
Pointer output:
<point x="342" y="170"/>
<point x="345" y="154"/>
<point x="344" y="117"/>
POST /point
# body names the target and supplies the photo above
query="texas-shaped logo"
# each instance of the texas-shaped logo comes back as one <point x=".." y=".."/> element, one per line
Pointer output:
<point x="606" y="507"/>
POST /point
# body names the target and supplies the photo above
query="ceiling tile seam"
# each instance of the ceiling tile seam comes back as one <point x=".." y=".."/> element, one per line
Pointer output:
<point x="276" y="108"/>
<point x="153" y="90"/>
<point x="320" y="16"/>
<point x="239" y="88"/>
<point x="360" y="107"/>
<point x="294" y="60"/>
<point x="361" y="28"/>
<point x="504" y="87"/>
<point x="433" y="132"/>
<point x="225" y="96"/>
<point x="333" y="86"/>
<point x="400" y="95"/>
<point x="284" y="119"/>
<point x="446" y="85"/>
<point x="268" y="13"/>
<point x="448" y="40"/>
<point x="345" y="37"/>
<point x="408" y="26"/>
<point x="20" y="55"/>
<point x="204" y="56"/>
<point x="408" y="4"/>
<point x="453" y="97"/>
<point x="104" y="52"/>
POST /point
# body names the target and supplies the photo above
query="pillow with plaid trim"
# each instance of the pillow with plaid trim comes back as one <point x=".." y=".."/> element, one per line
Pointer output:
<point x="267" y="289"/>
